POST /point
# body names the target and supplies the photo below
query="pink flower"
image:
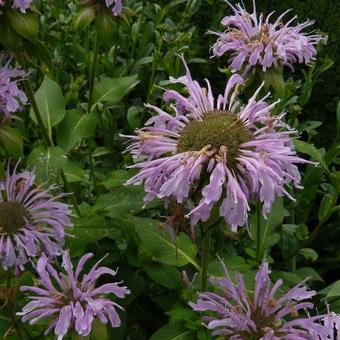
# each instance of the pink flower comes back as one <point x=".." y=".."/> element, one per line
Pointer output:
<point x="31" y="220"/>
<point x="264" y="315"/>
<point x="251" y="40"/>
<point x="70" y="301"/>
<point x="215" y="152"/>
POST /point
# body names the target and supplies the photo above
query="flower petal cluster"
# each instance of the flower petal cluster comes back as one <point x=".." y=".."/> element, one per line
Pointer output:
<point x="72" y="301"/>
<point x="115" y="5"/>
<point x="264" y="316"/>
<point x="11" y="97"/>
<point x="252" y="40"/>
<point x="22" y="5"/>
<point x="31" y="220"/>
<point x="215" y="152"/>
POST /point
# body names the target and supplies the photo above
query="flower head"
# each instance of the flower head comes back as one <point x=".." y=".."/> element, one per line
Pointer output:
<point x="11" y="97"/>
<point x="22" y="5"/>
<point x="115" y="5"/>
<point x="71" y="301"/>
<point x="264" y="316"/>
<point x="252" y="40"/>
<point x="215" y="152"/>
<point x="31" y="220"/>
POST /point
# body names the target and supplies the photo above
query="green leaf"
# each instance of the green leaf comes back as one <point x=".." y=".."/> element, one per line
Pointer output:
<point x="173" y="331"/>
<point x="270" y="232"/>
<point x="309" y="272"/>
<point x="193" y="6"/>
<point x="338" y="117"/>
<point x="84" y="18"/>
<point x="74" y="172"/>
<point x="74" y="128"/>
<point x="121" y="201"/>
<point x="113" y="89"/>
<point x="309" y="254"/>
<point x="51" y="104"/>
<point x="163" y="249"/>
<point x="9" y="38"/>
<point x="11" y="139"/>
<point x="311" y="151"/>
<point x="334" y="290"/>
<point x="117" y="178"/>
<point x="166" y="276"/>
<point x="47" y="162"/>
<point x="26" y="24"/>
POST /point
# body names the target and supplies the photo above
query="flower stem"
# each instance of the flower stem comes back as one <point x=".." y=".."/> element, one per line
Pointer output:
<point x="47" y="137"/>
<point x="258" y="231"/>
<point x="11" y="306"/>
<point x="93" y="71"/>
<point x="206" y="236"/>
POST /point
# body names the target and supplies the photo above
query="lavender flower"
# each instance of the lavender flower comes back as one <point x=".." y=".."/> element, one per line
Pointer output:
<point x="253" y="40"/>
<point x="243" y="151"/>
<point x="116" y="7"/>
<point x="11" y="97"/>
<point x="263" y="316"/>
<point x="69" y="301"/>
<point x="23" y="5"/>
<point x="31" y="220"/>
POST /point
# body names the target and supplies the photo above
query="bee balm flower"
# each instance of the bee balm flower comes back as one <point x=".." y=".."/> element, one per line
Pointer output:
<point x="11" y="97"/>
<point x="254" y="41"/>
<point x="115" y="5"/>
<point x="263" y="316"/>
<point x="23" y="5"/>
<point x="31" y="220"/>
<point x="215" y="152"/>
<point x="70" y="301"/>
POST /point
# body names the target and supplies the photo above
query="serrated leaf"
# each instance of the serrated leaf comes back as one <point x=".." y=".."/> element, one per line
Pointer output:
<point x="47" y="162"/>
<point x="74" y="128"/>
<point x="311" y="151"/>
<point x="163" y="249"/>
<point x="172" y="331"/>
<point x="113" y="90"/>
<point x="11" y="139"/>
<point x="26" y="24"/>
<point x="74" y="172"/>
<point x="51" y="104"/>
<point x="166" y="276"/>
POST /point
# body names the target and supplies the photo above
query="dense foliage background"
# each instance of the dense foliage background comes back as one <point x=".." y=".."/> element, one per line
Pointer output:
<point x="135" y="61"/>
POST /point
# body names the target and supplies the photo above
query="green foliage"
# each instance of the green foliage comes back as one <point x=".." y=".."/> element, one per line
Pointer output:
<point x="83" y="119"/>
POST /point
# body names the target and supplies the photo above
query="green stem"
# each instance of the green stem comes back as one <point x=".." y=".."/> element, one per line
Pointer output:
<point x="258" y="231"/>
<point x="30" y="95"/>
<point x="48" y="140"/>
<point x="93" y="71"/>
<point x="206" y="236"/>
<point x="11" y="306"/>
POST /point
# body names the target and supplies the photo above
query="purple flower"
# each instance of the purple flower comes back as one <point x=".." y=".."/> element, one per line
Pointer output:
<point x="23" y="5"/>
<point x="116" y="6"/>
<point x="31" y="220"/>
<point x="251" y="40"/>
<point x="264" y="315"/>
<point x="215" y="152"/>
<point x="71" y="301"/>
<point x="11" y="97"/>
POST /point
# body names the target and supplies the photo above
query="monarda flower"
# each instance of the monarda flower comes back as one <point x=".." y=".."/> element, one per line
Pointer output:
<point x="265" y="315"/>
<point x="215" y="152"/>
<point x="115" y="6"/>
<point x="22" y="5"/>
<point x="254" y="41"/>
<point x="11" y="97"/>
<point x="31" y="220"/>
<point x="72" y="302"/>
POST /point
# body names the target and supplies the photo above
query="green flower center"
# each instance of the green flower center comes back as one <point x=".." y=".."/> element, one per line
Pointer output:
<point x="218" y="128"/>
<point x="12" y="217"/>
